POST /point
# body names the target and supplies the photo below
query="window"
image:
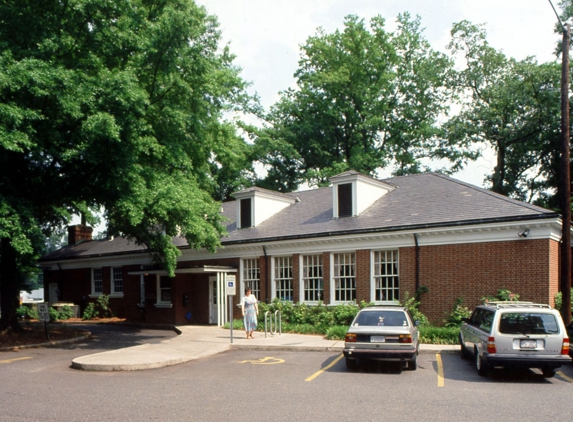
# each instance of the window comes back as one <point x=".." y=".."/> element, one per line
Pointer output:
<point x="283" y="277"/>
<point x="312" y="278"/>
<point x="246" y="214"/>
<point x="386" y="281"/>
<point x="345" y="200"/>
<point x="344" y="277"/>
<point x="97" y="281"/>
<point x="164" y="290"/>
<point x="117" y="281"/>
<point x="252" y="275"/>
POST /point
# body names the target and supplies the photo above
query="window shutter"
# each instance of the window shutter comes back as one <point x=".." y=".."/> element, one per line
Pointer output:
<point x="345" y="200"/>
<point x="246" y="220"/>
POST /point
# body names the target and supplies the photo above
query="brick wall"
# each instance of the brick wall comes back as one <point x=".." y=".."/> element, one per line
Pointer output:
<point x="473" y="271"/>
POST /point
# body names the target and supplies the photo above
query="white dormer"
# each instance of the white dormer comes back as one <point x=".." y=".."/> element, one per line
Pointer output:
<point x="255" y="205"/>
<point x="353" y="192"/>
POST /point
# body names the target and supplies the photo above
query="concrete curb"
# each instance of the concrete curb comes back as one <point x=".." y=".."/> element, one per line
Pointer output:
<point x="50" y="343"/>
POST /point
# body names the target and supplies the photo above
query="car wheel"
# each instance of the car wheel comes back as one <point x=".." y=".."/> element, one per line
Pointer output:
<point x="350" y="363"/>
<point x="548" y="372"/>
<point x="463" y="351"/>
<point x="413" y="364"/>
<point x="481" y="367"/>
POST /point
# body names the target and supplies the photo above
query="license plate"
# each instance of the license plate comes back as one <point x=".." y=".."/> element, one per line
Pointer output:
<point x="377" y="339"/>
<point x="528" y="344"/>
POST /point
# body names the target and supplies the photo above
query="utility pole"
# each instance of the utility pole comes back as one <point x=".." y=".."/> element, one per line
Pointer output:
<point x="565" y="183"/>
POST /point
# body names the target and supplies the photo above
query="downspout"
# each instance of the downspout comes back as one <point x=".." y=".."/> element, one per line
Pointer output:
<point x="267" y="273"/>
<point x="417" y="264"/>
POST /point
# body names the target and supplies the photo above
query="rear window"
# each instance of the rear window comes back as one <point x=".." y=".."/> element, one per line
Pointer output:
<point x="381" y="318"/>
<point x="528" y="323"/>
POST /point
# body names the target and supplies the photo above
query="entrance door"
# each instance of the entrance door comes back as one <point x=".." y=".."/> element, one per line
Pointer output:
<point x="53" y="292"/>
<point x="213" y="300"/>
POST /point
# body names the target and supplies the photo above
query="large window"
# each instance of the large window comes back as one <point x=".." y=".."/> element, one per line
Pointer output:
<point x="283" y="277"/>
<point x="344" y="276"/>
<point x="252" y="276"/>
<point x="97" y="281"/>
<point x="386" y="280"/>
<point x="117" y="281"/>
<point x="312" y="282"/>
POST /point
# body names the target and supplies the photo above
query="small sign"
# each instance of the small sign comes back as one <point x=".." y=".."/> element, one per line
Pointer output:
<point x="43" y="312"/>
<point x="231" y="285"/>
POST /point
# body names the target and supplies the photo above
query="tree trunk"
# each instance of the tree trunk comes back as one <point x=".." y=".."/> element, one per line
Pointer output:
<point x="9" y="291"/>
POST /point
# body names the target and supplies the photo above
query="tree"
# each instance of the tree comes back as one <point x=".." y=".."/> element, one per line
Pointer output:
<point x="509" y="106"/>
<point x="113" y="105"/>
<point x="365" y="98"/>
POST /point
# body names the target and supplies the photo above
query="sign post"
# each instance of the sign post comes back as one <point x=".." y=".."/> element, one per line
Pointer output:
<point x="44" y="315"/>
<point x="231" y="290"/>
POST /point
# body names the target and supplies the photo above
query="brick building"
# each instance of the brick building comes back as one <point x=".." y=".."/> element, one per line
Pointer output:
<point x="359" y="239"/>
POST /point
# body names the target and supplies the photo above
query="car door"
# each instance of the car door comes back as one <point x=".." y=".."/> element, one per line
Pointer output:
<point x="472" y="332"/>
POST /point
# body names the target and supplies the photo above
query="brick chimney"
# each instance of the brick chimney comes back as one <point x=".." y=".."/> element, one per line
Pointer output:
<point x="79" y="233"/>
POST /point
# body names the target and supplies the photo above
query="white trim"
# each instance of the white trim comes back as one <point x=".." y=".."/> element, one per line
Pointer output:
<point x="162" y="303"/>
<point x="93" y="290"/>
<point x="113" y="293"/>
<point x="332" y="286"/>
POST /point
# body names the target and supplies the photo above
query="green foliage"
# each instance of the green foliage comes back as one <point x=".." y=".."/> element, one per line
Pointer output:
<point x="365" y="98"/>
<point x="54" y="314"/>
<point x="65" y="313"/>
<point x="439" y="335"/>
<point x="502" y="295"/>
<point x="99" y="309"/>
<point x="135" y="91"/>
<point x="338" y="332"/>
<point x="413" y="306"/>
<point x="559" y="300"/>
<point x="460" y="311"/>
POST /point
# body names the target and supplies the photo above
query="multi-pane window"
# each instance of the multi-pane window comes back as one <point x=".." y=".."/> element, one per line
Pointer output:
<point x="312" y="278"/>
<point x="386" y="280"/>
<point x="117" y="280"/>
<point x="97" y="281"/>
<point x="252" y="275"/>
<point x="344" y="276"/>
<point x="164" y="290"/>
<point x="283" y="277"/>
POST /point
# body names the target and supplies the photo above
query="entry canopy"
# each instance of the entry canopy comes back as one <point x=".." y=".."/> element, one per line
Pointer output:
<point x="195" y="270"/>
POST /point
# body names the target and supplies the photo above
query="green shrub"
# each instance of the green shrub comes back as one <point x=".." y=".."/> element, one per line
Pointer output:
<point x="502" y="295"/>
<point x="559" y="300"/>
<point x="66" y="313"/>
<point x="460" y="311"/>
<point x="413" y="305"/>
<point x="337" y="332"/>
<point x="99" y="309"/>
<point x="27" y="312"/>
<point x="90" y="312"/>
<point x="54" y="314"/>
<point x="439" y="335"/>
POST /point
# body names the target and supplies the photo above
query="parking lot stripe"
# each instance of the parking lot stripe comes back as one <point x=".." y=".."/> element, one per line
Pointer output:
<point x="565" y="377"/>
<point x="440" y="370"/>
<point x="14" y="360"/>
<point x="326" y="368"/>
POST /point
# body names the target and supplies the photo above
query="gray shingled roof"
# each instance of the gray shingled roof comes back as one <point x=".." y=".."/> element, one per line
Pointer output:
<point x="422" y="200"/>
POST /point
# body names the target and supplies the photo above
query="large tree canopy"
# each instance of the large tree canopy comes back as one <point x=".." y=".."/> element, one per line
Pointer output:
<point x="510" y="107"/>
<point x="365" y="98"/>
<point x="113" y="105"/>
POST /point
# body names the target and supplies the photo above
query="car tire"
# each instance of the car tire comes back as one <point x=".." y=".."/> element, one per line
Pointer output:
<point x="413" y="364"/>
<point x="548" y="372"/>
<point x="481" y="367"/>
<point x="464" y="353"/>
<point x="350" y="363"/>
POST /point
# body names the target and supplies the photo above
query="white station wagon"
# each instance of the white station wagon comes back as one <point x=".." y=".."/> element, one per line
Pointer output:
<point x="515" y="335"/>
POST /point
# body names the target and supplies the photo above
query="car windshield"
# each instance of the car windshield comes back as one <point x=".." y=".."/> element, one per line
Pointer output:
<point x="381" y="318"/>
<point x="528" y="323"/>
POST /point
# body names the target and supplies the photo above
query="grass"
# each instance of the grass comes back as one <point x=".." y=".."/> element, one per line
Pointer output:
<point x="428" y="334"/>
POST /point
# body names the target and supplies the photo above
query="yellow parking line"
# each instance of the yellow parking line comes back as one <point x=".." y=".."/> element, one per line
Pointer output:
<point x="326" y="368"/>
<point x="565" y="377"/>
<point x="14" y="360"/>
<point x="440" y="370"/>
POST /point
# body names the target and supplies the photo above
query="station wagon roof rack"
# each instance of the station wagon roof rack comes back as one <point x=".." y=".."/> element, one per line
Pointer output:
<point x="498" y="304"/>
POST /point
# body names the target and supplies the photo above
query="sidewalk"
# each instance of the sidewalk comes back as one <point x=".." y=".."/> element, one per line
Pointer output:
<point x="195" y="342"/>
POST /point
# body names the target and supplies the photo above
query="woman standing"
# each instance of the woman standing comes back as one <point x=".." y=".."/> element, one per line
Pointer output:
<point x="250" y="312"/>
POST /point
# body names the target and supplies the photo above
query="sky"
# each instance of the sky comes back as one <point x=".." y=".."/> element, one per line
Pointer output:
<point x="265" y="35"/>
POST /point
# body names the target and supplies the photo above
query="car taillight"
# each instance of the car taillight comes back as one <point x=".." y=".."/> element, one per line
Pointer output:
<point x="405" y="338"/>
<point x="351" y="338"/>
<point x="491" y="345"/>
<point x="565" y="347"/>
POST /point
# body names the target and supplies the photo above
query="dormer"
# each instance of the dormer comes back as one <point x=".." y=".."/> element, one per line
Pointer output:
<point x="353" y="192"/>
<point x="255" y="205"/>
